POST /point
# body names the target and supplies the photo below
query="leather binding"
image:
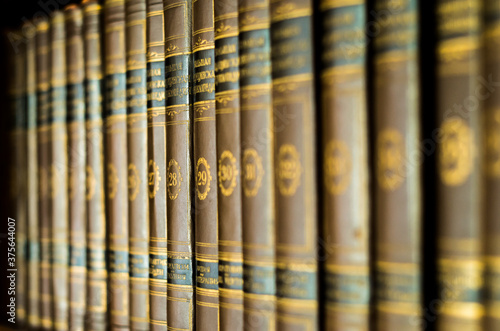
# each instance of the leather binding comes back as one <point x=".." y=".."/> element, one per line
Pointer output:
<point x="344" y="166"/>
<point x="459" y="228"/>
<point x="397" y="198"/>
<point x="178" y="63"/>
<point x="33" y="245"/>
<point x="16" y="255"/>
<point x="205" y="166"/>
<point x="58" y="172"/>
<point x="76" y="166"/>
<point x="97" y="275"/>
<point x="491" y="167"/>
<point x="116" y="168"/>
<point x="157" y="149"/>
<point x="295" y="165"/>
<point x="43" y="140"/>
<point x="257" y="175"/>
<point x="227" y="110"/>
<point x="137" y="164"/>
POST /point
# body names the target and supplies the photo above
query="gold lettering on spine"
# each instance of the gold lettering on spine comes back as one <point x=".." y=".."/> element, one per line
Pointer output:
<point x="390" y="159"/>
<point x="174" y="179"/>
<point x="228" y="172"/>
<point x="90" y="183"/>
<point x="337" y="167"/>
<point x="252" y="172"/>
<point x="133" y="182"/>
<point x="112" y="181"/>
<point x="456" y="155"/>
<point x="289" y="170"/>
<point x="154" y="178"/>
<point x="203" y="178"/>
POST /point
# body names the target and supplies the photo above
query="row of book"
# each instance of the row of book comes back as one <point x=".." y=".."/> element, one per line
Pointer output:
<point x="207" y="164"/>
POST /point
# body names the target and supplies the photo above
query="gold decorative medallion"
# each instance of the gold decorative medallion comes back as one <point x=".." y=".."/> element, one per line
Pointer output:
<point x="289" y="169"/>
<point x="456" y="152"/>
<point x="252" y="172"/>
<point x="133" y="182"/>
<point x="493" y="145"/>
<point x="154" y="178"/>
<point x="174" y="179"/>
<point x="228" y="172"/>
<point x="203" y="178"/>
<point x="112" y="181"/>
<point x="390" y="159"/>
<point x="54" y="181"/>
<point x="89" y="183"/>
<point x="337" y="167"/>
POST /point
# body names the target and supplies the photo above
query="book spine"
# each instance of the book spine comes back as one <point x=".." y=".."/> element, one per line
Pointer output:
<point x="397" y="197"/>
<point x="33" y="247"/>
<point x="58" y="172"/>
<point x="227" y="119"/>
<point x="257" y="176"/>
<point x="178" y="63"/>
<point x="157" y="150"/>
<point x="205" y="166"/>
<point x="459" y="228"/>
<point x="295" y="164"/>
<point x="344" y="155"/>
<point x="491" y="165"/>
<point x="138" y="210"/>
<point x="116" y="162"/>
<point x="16" y="255"/>
<point x="76" y="167"/>
<point x="44" y="212"/>
<point x="97" y="274"/>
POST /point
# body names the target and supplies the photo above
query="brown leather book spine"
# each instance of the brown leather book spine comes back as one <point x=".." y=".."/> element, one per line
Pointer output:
<point x="58" y="172"/>
<point x="459" y="230"/>
<point x="157" y="154"/>
<point x="116" y="162"/>
<point x="257" y="175"/>
<point x="33" y="246"/>
<point x="76" y="167"/>
<point x="295" y="164"/>
<point x="491" y="168"/>
<point x="97" y="276"/>
<point x="205" y="166"/>
<point x="397" y="198"/>
<point x="138" y="210"/>
<point x="16" y="248"/>
<point x="178" y="63"/>
<point x="227" y="110"/>
<point x="44" y="212"/>
<point x="344" y="166"/>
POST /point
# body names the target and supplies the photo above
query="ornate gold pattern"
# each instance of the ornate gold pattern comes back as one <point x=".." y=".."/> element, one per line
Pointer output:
<point x="289" y="169"/>
<point x="112" y="181"/>
<point x="154" y="178"/>
<point x="203" y="178"/>
<point x="133" y="182"/>
<point x="174" y="179"/>
<point x="456" y="152"/>
<point x="493" y="145"/>
<point x="252" y="172"/>
<point x="390" y="156"/>
<point x="337" y="167"/>
<point x="89" y="183"/>
<point x="227" y="173"/>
